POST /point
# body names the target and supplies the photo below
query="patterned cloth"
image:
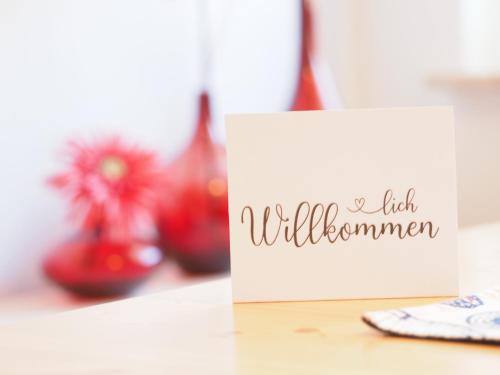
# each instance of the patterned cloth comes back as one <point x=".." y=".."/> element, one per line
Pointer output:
<point x="471" y="318"/>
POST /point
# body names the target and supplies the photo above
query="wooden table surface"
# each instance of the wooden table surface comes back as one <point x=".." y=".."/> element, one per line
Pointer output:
<point x="197" y="330"/>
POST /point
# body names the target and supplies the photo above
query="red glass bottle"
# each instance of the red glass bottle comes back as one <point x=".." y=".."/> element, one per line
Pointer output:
<point x="193" y="223"/>
<point x="307" y="95"/>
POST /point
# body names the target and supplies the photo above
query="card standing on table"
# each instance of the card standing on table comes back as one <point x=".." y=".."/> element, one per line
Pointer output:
<point x="342" y="204"/>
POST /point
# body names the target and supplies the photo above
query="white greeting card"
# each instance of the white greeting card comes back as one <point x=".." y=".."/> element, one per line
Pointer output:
<point x="342" y="204"/>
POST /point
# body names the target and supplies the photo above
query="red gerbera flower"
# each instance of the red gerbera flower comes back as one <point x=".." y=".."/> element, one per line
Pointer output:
<point x="111" y="185"/>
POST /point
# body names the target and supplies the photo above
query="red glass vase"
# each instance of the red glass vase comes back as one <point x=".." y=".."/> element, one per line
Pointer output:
<point x="193" y="223"/>
<point x="94" y="266"/>
<point x="307" y="95"/>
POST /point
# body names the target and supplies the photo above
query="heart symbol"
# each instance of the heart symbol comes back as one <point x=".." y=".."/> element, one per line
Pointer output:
<point x="359" y="202"/>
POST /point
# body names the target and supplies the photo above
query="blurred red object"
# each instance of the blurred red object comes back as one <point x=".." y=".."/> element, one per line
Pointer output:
<point x="93" y="266"/>
<point x="112" y="188"/>
<point x="110" y="184"/>
<point x="193" y="222"/>
<point x="307" y="95"/>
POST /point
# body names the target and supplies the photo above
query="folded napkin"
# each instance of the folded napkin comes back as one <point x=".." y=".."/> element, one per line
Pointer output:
<point x="472" y="318"/>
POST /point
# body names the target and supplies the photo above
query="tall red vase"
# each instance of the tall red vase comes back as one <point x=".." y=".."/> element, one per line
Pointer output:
<point x="193" y="223"/>
<point x="307" y="95"/>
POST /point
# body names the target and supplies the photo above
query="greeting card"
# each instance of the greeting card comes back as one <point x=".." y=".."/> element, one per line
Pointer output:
<point x="342" y="204"/>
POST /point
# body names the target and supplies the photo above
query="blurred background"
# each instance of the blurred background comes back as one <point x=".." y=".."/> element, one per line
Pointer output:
<point x="136" y="69"/>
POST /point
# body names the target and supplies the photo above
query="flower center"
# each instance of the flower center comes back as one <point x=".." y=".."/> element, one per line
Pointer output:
<point x="113" y="168"/>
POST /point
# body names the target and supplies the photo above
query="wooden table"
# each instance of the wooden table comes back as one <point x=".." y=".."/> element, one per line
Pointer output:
<point x="48" y="298"/>
<point x="196" y="330"/>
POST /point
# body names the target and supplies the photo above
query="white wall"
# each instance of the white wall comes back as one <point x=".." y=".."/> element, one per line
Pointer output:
<point x="96" y="67"/>
<point x="383" y="52"/>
